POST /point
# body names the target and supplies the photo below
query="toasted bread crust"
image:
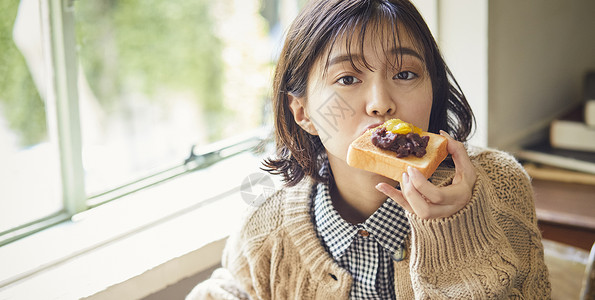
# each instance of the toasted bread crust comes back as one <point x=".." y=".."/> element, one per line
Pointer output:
<point x="364" y="155"/>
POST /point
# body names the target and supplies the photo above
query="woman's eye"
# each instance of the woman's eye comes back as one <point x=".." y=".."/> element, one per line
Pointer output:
<point x="405" y="75"/>
<point x="348" y="80"/>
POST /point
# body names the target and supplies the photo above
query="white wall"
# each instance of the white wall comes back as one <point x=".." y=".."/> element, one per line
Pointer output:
<point x="429" y="11"/>
<point x="463" y="39"/>
<point x="538" y="54"/>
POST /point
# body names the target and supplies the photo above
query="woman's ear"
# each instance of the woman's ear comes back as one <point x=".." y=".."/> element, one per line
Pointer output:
<point x="300" y="115"/>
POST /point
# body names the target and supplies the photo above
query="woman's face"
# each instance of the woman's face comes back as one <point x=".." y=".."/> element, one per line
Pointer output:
<point x="343" y="102"/>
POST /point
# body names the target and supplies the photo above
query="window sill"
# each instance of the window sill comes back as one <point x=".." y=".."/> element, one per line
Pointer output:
<point x="135" y="246"/>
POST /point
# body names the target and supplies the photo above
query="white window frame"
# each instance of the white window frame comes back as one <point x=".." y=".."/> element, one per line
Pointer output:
<point x="63" y="105"/>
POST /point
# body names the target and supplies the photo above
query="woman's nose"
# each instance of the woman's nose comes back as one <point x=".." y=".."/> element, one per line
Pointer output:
<point x="380" y="101"/>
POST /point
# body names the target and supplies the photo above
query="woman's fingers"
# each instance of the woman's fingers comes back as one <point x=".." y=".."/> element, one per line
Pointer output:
<point x="425" y="208"/>
<point x="424" y="187"/>
<point x="414" y="202"/>
<point x="427" y="201"/>
<point x="394" y="194"/>
<point x="419" y="203"/>
<point x="464" y="169"/>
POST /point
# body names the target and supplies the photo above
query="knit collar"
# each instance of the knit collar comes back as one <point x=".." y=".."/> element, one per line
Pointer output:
<point x="388" y="225"/>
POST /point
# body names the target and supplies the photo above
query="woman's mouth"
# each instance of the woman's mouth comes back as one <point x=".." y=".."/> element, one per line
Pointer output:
<point x="372" y="126"/>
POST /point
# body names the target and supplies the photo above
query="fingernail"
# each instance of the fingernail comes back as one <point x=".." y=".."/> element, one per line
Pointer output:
<point x="405" y="178"/>
<point x="444" y="133"/>
<point x="412" y="172"/>
<point x="379" y="187"/>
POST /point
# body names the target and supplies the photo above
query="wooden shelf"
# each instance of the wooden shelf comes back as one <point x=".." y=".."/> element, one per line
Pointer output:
<point x="565" y="203"/>
<point x="566" y="212"/>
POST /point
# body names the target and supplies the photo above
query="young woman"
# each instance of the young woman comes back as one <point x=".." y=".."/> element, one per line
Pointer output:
<point x="469" y="232"/>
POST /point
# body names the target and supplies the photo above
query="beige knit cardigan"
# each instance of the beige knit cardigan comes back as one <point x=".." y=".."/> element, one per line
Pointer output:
<point x="490" y="249"/>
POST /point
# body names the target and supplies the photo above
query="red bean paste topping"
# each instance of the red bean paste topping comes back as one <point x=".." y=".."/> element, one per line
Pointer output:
<point x="402" y="144"/>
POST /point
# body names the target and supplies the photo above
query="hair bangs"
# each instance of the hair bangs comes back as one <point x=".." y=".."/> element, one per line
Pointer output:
<point x="381" y="23"/>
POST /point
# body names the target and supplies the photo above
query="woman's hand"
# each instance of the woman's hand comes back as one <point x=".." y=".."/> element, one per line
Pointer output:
<point x="427" y="201"/>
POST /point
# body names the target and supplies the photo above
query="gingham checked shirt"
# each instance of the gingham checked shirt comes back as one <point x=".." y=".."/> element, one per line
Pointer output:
<point x="366" y="250"/>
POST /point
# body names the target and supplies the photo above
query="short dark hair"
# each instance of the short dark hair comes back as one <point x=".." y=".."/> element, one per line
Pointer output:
<point x="313" y="32"/>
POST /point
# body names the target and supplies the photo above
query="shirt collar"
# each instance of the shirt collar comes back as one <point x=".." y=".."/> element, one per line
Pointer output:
<point x="388" y="225"/>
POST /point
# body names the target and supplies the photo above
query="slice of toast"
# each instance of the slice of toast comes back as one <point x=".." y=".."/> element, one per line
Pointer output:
<point x="363" y="154"/>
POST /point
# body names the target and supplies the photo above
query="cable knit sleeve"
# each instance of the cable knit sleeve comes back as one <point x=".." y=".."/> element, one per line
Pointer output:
<point x="514" y="208"/>
<point x="491" y="249"/>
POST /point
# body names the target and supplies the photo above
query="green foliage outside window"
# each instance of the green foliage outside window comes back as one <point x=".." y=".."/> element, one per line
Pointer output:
<point x="127" y="46"/>
<point x="20" y="103"/>
<point x="154" y="43"/>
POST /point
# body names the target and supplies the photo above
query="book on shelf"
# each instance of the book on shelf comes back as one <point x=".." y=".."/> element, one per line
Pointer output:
<point x="572" y="132"/>
<point x="543" y="153"/>
<point x="549" y="173"/>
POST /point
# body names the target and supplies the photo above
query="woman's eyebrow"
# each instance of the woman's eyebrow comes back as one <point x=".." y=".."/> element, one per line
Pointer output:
<point x="407" y="51"/>
<point x="356" y="57"/>
<point x="342" y="58"/>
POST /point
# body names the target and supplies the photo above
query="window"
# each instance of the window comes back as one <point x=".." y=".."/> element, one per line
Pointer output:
<point x="101" y="98"/>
